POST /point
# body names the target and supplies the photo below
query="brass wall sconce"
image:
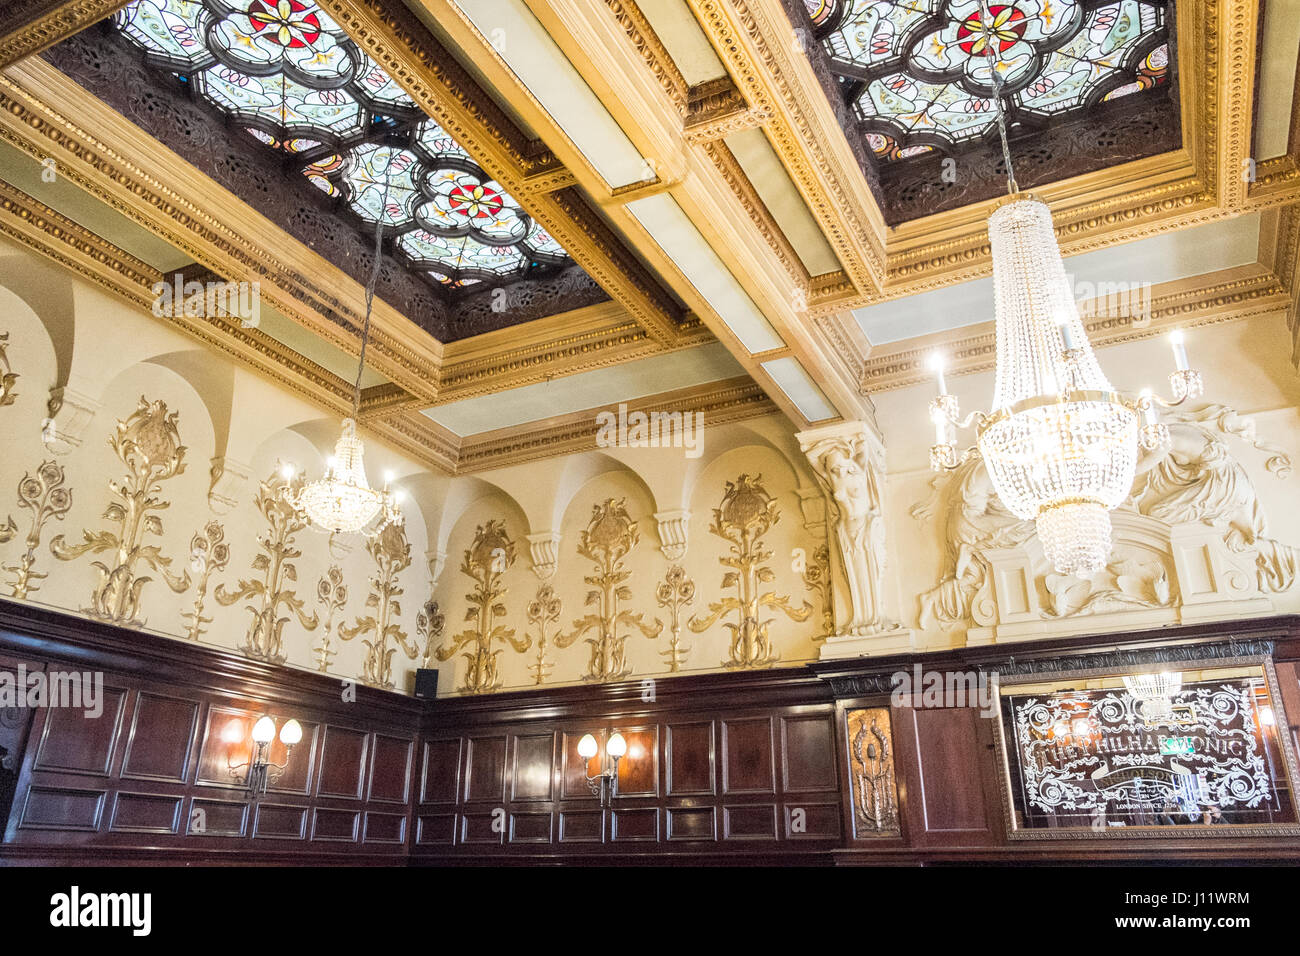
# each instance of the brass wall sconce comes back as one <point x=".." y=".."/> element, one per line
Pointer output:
<point x="607" y="779"/>
<point x="259" y="772"/>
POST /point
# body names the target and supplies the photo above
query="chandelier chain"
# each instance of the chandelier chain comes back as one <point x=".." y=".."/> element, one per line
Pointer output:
<point x="996" y="78"/>
<point x="371" y="283"/>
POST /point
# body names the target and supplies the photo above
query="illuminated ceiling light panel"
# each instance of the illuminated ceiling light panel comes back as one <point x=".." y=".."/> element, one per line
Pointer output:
<point x="799" y="387"/>
<point x="523" y="43"/>
<point x="690" y="252"/>
<point x="288" y="74"/>
<point x="917" y="71"/>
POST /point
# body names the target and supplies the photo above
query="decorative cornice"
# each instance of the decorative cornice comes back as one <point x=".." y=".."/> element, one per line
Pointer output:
<point x="1223" y="296"/>
<point x="30" y="26"/>
<point x="652" y="50"/>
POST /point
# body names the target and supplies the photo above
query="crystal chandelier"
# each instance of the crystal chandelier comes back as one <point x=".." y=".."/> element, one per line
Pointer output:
<point x="1060" y="445"/>
<point x="342" y="501"/>
<point x="1154" y="693"/>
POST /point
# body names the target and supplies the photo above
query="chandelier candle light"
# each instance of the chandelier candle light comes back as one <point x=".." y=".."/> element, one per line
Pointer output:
<point x="1060" y="444"/>
<point x="342" y="501"/>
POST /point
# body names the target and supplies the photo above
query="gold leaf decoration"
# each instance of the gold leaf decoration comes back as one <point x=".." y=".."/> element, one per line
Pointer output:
<point x="429" y="625"/>
<point x="817" y="578"/>
<point x="486" y="560"/>
<point x="746" y="514"/>
<point x="392" y="555"/>
<point x="148" y="443"/>
<point x="609" y="538"/>
<point x="674" y="592"/>
<point x="7" y="375"/>
<point x="543" y="610"/>
<point x="265" y="638"/>
<point x="333" y="593"/>
<point x="209" y="552"/>
<point x="871" y="759"/>
<point x="45" y="497"/>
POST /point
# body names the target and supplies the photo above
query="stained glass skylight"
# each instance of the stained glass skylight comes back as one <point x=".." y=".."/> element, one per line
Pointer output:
<point x="289" y="75"/>
<point x="917" y="72"/>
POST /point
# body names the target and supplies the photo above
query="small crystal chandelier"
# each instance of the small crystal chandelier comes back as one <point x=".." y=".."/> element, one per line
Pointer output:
<point x="342" y="501"/>
<point x="1154" y="693"/>
<point x="1061" y="444"/>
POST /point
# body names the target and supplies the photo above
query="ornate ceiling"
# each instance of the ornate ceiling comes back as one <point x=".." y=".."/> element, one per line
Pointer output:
<point x="731" y="205"/>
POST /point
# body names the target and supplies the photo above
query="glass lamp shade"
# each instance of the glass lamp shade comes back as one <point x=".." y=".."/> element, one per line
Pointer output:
<point x="264" y="730"/>
<point x="617" y="745"/>
<point x="342" y="501"/>
<point x="290" y="733"/>
<point x="1060" y="445"/>
<point x="587" y="747"/>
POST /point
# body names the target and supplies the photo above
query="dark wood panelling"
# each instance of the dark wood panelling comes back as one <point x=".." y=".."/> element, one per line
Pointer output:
<point x="164" y="729"/>
<point x="747" y="766"/>
<point x="747" y="756"/>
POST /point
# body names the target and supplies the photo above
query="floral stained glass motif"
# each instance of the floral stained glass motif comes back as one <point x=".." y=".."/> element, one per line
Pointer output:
<point x="919" y="72"/>
<point x="293" y="80"/>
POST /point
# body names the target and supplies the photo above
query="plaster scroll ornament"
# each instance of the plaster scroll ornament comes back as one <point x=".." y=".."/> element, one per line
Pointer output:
<point x="45" y="497"/>
<point x="673" y="527"/>
<point x="610" y="536"/>
<point x="209" y="552"/>
<point x="486" y="561"/>
<point x="332" y="592"/>
<point x="1196" y="481"/>
<point x="745" y="516"/>
<point x="148" y="443"/>
<point x="391" y="553"/>
<point x="543" y="612"/>
<point x="429" y="625"/>
<point x="8" y="377"/>
<point x="544" y="552"/>
<point x="275" y="562"/>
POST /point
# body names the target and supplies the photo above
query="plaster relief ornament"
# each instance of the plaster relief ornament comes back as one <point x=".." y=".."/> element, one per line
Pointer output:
<point x="543" y="611"/>
<point x="333" y="594"/>
<point x="265" y="638"/>
<point x="486" y="561"/>
<point x="1195" y="480"/>
<point x="45" y="497"/>
<point x="675" y="592"/>
<point x="392" y="555"/>
<point x="429" y="625"/>
<point x="208" y="552"/>
<point x="746" y="514"/>
<point x="7" y="375"/>
<point x="817" y="578"/>
<point x="608" y="539"/>
<point x="149" y="445"/>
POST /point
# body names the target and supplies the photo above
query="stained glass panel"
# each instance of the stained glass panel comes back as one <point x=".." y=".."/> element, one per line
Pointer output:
<point x="919" y="71"/>
<point x="294" y="81"/>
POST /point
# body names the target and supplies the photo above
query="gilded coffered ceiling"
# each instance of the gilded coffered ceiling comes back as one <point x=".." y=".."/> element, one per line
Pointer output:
<point x="732" y="205"/>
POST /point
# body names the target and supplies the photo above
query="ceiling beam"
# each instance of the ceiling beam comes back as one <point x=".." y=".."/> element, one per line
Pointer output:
<point x="30" y="26"/>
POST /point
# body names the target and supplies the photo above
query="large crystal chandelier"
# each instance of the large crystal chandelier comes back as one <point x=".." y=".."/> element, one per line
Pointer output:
<point x="1061" y="444"/>
<point x="342" y="501"/>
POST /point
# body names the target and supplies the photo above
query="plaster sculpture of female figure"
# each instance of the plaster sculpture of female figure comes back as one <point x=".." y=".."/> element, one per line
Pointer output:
<point x="860" y="528"/>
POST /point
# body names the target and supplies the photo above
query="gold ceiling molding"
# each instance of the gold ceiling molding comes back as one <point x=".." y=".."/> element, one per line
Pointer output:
<point x="593" y="337"/>
<point x="721" y="403"/>
<point x="717" y="109"/>
<point x="30" y="26"/>
<point x="53" y="235"/>
<point x="1280" y="237"/>
<point x="655" y="54"/>
<point x="1223" y="296"/>
<point x="1194" y="185"/>
<point x="392" y="36"/>
<point x="115" y="161"/>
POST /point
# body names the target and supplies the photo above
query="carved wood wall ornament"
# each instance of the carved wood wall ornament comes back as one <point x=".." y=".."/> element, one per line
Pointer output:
<point x="209" y="552"/>
<point x="45" y="497"/>
<point x="148" y="443"/>
<point x="746" y="514"/>
<point x="333" y="594"/>
<point x="486" y="560"/>
<point x="392" y="555"/>
<point x="608" y="539"/>
<point x="265" y="639"/>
